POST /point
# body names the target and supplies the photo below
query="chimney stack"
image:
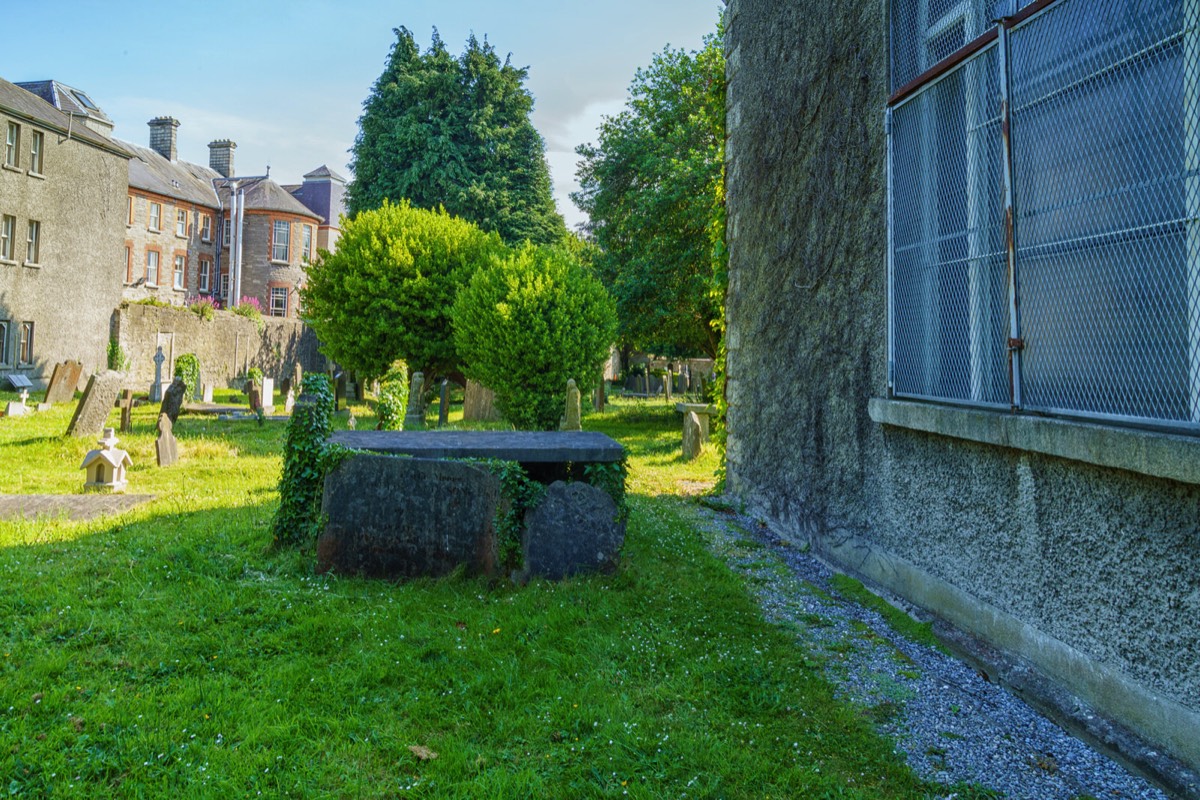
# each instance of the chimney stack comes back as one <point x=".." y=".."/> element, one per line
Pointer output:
<point x="220" y="156"/>
<point x="162" y="136"/>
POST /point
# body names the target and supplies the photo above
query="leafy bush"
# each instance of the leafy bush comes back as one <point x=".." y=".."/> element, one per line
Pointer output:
<point x="386" y="293"/>
<point x="254" y="376"/>
<point x="152" y="301"/>
<point x="187" y="366"/>
<point x="117" y="360"/>
<point x="251" y="310"/>
<point x="526" y="324"/>
<point x="393" y="397"/>
<point x="305" y="463"/>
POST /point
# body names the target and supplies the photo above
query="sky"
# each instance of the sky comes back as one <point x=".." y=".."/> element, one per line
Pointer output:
<point x="286" y="81"/>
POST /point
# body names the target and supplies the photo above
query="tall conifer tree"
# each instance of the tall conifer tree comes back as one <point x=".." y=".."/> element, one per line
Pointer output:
<point x="455" y="132"/>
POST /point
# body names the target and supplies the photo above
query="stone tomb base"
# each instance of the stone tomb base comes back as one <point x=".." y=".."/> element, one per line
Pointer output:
<point x="394" y="517"/>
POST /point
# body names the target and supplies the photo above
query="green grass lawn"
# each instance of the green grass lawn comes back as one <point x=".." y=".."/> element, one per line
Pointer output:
<point x="167" y="651"/>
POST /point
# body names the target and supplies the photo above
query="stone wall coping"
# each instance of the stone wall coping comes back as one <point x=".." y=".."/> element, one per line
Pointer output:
<point x="1147" y="452"/>
<point x="526" y="447"/>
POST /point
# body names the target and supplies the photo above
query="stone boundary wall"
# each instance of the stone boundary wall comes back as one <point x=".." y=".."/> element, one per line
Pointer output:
<point x="227" y="345"/>
<point x="1088" y="571"/>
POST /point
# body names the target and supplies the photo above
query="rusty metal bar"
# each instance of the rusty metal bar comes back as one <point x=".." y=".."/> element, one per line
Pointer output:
<point x="1015" y="344"/>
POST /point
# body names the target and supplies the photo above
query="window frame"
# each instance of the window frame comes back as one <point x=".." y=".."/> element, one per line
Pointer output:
<point x="154" y="217"/>
<point x="278" y="291"/>
<point x="37" y="145"/>
<point x="12" y="145"/>
<point x="5" y="328"/>
<point x="306" y="242"/>
<point x="25" y="340"/>
<point x="179" y="272"/>
<point x="206" y="227"/>
<point x="150" y="251"/>
<point x="8" y="235"/>
<point x="277" y="246"/>
<point x="204" y="276"/>
<point x="33" y="243"/>
<point x="181" y="223"/>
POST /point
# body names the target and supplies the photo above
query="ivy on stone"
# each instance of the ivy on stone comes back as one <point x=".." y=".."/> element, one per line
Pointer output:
<point x="306" y="460"/>
<point x="187" y="366"/>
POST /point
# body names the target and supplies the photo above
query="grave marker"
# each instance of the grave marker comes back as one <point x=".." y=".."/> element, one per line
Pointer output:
<point x="414" y="418"/>
<point x="692" y="443"/>
<point x="444" y="404"/>
<point x="63" y="381"/>
<point x="166" y="448"/>
<point x="156" y="388"/>
<point x="98" y="399"/>
<point x="172" y="401"/>
<point x="571" y="417"/>
<point x="126" y="411"/>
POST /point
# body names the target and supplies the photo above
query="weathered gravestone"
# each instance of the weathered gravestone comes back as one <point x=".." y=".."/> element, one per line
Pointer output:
<point x="98" y="399"/>
<point x="268" y="395"/>
<point x="156" y="388"/>
<point x="207" y="396"/>
<point x="17" y="408"/>
<point x="126" y="411"/>
<point x="165" y="446"/>
<point x="172" y="401"/>
<point x="63" y="381"/>
<point x="693" y="442"/>
<point x="573" y="530"/>
<point x="393" y="517"/>
<point x="479" y="403"/>
<point x="414" y="417"/>
<point x="571" y="417"/>
<point x="255" y="398"/>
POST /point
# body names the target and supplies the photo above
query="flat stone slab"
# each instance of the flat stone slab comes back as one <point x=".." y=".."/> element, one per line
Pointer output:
<point x="72" y="506"/>
<point x="526" y="447"/>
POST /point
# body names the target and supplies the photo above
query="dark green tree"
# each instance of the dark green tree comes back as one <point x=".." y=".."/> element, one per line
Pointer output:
<point x="449" y="132"/>
<point x="386" y="293"/>
<point x="652" y="187"/>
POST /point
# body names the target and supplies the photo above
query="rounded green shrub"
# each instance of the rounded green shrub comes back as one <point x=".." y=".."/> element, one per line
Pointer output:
<point x="187" y="366"/>
<point x="393" y="397"/>
<point x="254" y="376"/>
<point x="526" y="324"/>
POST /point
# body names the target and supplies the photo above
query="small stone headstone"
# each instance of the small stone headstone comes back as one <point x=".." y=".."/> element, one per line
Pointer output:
<point x="479" y="403"/>
<point x="693" y="442"/>
<point x="289" y="401"/>
<point x="15" y="408"/>
<point x="573" y="530"/>
<point x="268" y="395"/>
<point x="172" y="401"/>
<point x="571" y="418"/>
<point x="414" y="417"/>
<point x="165" y="446"/>
<point x="255" y="398"/>
<point x="98" y="399"/>
<point x="668" y="380"/>
<point x="63" y="381"/>
<point x="207" y="397"/>
<point x="156" y="388"/>
<point x="126" y="411"/>
<point x="444" y="404"/>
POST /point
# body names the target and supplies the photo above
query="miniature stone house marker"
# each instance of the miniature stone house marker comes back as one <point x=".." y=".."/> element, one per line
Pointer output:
<point x="106" y="466"/>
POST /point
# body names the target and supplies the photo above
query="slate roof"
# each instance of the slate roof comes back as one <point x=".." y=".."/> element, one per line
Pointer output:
<point x="181" y="180"/>
<point x="324" y="192"/>
<point x="264" y="194"/>
<point x="66" y="98"/>
<point x="22" y="103"/>
<point x="324" y="172"/>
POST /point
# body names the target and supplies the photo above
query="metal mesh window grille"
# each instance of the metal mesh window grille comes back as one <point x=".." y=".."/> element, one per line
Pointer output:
<point x="1089" y="303"/>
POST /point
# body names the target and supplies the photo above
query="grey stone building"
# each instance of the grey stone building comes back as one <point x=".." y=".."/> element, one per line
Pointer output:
<point x="324" y="193"/>
<point x="972" y="375"/>
<point x="62" y="202"/>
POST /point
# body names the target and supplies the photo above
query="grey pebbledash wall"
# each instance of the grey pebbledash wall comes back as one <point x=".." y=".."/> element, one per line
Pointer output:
<point x="1089" y="572"/>
<point x="227" y="346"/>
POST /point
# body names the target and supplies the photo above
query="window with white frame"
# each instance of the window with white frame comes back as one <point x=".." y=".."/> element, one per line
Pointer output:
<point x="155" y="219"/>
<point x="25" y="344"/>
<point x="180" y="272"/>
<point x="280" y="240"/>
<point x="206" y="228"/>
<point x="4" y="326"/>
<point x="306" y="243"/>
<point x="12" y="145"/>
<point x="33" y="242"/>
<point x="204" y="280"/>
<point x="180" y="222"/>
<point x="227" y="238"/>
<point x="225" y="284"/>
<point x="8" y="227"/>
<point x="279" y="298"/>
<point x="1044" y="207"/>
<point x="152" y="267"/>
<point x="37" y="143"/>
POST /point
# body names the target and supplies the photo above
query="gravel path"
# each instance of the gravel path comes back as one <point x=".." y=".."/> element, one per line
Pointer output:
<point x="951" y="725"/>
